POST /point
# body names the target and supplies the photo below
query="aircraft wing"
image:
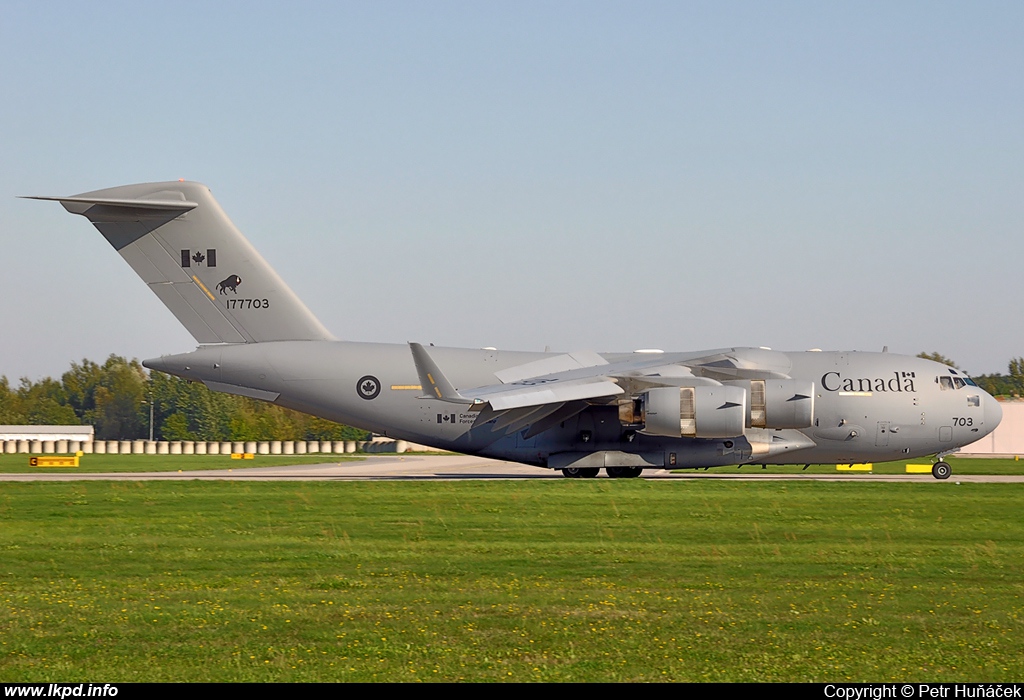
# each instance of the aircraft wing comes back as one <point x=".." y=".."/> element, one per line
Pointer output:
<point x="558" y="379"/>
<point x="541" y="393"/>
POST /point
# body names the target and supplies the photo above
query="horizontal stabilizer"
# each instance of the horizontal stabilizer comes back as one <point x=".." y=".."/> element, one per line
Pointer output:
<point x="78" y="205"/>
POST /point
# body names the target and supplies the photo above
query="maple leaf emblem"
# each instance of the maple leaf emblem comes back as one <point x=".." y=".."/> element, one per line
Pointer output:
<point x="199" y="257"/>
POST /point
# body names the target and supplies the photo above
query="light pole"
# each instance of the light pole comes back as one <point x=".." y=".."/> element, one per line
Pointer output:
<point x="150" y="415"/>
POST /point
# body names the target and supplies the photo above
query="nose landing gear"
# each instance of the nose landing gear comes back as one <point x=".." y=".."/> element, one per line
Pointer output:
<point x="941" y="470"/>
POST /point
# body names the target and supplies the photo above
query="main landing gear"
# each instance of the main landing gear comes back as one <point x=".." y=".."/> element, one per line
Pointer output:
<point x="580" y="472"/>
<point x="624" y="472"/>
<point x="591" y="472"/>
<point x="941" y="470"/>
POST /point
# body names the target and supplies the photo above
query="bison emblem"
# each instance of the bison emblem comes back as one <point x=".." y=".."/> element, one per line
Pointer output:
<point x="231" y="283"/>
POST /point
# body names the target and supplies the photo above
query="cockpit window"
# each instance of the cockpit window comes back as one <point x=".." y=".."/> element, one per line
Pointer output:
<point x="945" y="383"/>
<point x="959" y="383"/>
<point x="970" y="382"/>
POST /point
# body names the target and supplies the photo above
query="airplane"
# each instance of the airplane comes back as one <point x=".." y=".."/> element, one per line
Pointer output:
<point x="577" y="412"/>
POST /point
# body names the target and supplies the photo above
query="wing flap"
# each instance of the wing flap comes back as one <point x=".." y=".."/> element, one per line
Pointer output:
<point x="502" y="398"/>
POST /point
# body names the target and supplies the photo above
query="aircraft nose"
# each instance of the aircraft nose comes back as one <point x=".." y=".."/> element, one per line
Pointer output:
<point x="993" y="413"/>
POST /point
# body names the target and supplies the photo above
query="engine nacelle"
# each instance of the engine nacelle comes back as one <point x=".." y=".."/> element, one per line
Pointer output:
<point x="702" y="411"/>
<point x="779" y="403"/>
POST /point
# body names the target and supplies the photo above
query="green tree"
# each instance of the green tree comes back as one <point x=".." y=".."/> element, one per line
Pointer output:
<point x="10" y="405"/>
<point x="936" y="357"/>
<point x="45" y="403"/>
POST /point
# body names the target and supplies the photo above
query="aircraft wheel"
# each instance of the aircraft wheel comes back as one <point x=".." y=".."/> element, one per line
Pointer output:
<point x="572" y="472"/>
<point x="941" y="470"/>
<point x="624" y="472"/>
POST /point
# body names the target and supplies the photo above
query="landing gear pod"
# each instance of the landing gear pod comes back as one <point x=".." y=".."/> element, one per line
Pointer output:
<point x="703" y="411"/>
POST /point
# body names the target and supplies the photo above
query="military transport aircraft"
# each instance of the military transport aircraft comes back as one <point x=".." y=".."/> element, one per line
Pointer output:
<point x="577" y="412"/>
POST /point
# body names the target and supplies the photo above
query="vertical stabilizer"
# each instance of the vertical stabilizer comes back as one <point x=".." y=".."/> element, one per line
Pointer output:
<point x="182" y="244"/>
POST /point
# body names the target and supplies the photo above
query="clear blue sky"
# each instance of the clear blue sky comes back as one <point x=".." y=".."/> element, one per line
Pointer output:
<point x="593" y="175"/>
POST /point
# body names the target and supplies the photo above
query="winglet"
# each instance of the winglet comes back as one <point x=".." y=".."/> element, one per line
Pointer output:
<point x="433" y="381"/>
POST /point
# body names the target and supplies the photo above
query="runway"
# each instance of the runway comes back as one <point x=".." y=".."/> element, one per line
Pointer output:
<point x="461" y="467"/>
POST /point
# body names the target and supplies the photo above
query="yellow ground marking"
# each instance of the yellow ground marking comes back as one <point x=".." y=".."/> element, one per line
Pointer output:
<point x="855" y="467"/>
<point x="53" y="461"/>
<point x="919" y="469"/>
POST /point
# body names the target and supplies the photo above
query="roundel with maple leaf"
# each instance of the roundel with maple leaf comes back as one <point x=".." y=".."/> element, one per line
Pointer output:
<point x="368" y="387"/>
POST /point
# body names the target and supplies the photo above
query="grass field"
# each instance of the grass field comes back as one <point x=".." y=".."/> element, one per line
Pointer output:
<point x="18" y="464"/>
<point x="603" y="580"/>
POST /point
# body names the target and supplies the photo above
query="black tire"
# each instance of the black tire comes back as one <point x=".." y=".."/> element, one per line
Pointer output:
<point x="624" y="472"/>
<point x="941" y="470"/>
<point x="572" y="472"/>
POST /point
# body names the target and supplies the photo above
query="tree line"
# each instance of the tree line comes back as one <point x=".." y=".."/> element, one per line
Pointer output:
<point x="114" y="397"/>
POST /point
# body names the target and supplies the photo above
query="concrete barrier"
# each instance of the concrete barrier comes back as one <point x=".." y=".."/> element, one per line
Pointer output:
<point x="288" y="447"/>
<point x="250" y="447"/>
<point x="176" y="447"/>
<point x="188" y="447"/>
<point x="201" y="448"/>
<point x="350" y="446"/>
<point x="225" y="448"/>
<point x="138" y="447"/>
<point x="74" y="446"/>
<point x="263" y="448"/>
<point x="300" y="447"/>
<point x="150" y="447"/>
<point x="312" y="446"/>
<point x="61" y="447"/>
<point x="275" y="447"/>
<point x="124" y="447"/>
<point x="163" y="448"/>
<point x="99" y="447"/>
<point x="237" y="447"/>
<point x="88" y="447"/>
<point x="48" y="447"/>
<point x="213" y="448"/>
<point x="401" y="446"/>
<point x="23" y="447"/>
<point x="10" y="447"/>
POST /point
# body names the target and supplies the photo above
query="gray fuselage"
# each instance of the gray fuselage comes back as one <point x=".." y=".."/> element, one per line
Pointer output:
<point x="867" y="406"/>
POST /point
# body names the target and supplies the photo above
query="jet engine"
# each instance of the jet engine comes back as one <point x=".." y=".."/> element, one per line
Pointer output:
<point x="702" y="411"/>
<point x="779" y="403"/>
<point x="723" y="411"/>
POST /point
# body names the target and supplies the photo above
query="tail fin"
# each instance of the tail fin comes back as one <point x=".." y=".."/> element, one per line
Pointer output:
<point x="182" y="244"/>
